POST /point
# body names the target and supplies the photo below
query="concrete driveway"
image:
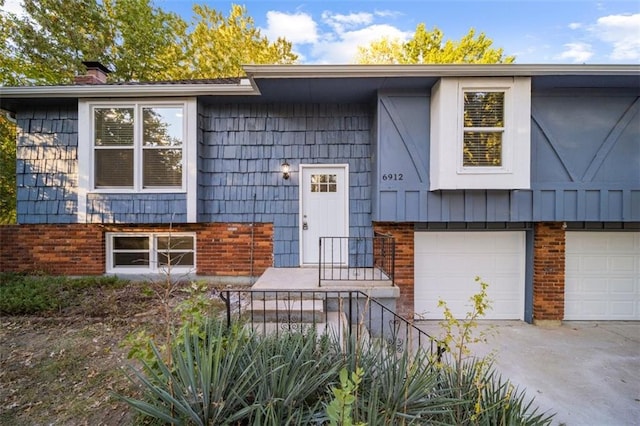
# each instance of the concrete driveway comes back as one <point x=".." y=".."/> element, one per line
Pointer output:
<point x="588" y="373"/>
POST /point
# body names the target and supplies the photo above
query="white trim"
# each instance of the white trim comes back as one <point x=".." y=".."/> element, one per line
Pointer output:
<point x="148" y="90"/>
<point x="84" y="159"/>
<point x="86" y="153"/>
<point x="433" y="70"/>
<point x="153" y="253"/>
<point x="190" y="157"/>
<point x="344" y="166"/>
<point x="447" y="127"/>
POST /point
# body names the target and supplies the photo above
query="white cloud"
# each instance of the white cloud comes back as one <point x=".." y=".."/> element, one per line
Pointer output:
<point x="387" y="13"/>
<point x="14" y="6"/>
<point x="298" y="28"/>
<point x="576" y="52"/>
<point x="334" y="38"/>
<point x="623" y="33"/>
<point x="342" y="50"/>
<point x="575" y="25"/>
<point x="341" y="23"/>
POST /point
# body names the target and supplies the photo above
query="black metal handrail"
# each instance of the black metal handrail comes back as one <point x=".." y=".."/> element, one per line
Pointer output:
<point x="353" y="313"/>
<point x="356" y="259"/>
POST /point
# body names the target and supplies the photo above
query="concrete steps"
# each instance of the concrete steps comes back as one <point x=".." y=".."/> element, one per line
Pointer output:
<point x="284" y="311"/>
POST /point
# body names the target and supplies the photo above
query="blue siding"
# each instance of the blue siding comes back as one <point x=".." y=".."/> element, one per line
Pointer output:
<point x="242" y="147"/>
<point x="46" y="165"/>
<point x="585" y="163"/>
<point x="136" y="208"/>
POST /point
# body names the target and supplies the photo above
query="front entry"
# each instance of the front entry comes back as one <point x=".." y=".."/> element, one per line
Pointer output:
<point x="324" y="210"/>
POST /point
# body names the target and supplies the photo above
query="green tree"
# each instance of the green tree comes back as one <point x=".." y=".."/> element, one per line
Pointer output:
<point x="7" y="171"/>
<point x="429" y="47"/>
<point x="218" y="46"/>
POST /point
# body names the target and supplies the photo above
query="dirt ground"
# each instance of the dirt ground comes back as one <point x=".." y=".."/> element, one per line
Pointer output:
<point x="65" y="368"/>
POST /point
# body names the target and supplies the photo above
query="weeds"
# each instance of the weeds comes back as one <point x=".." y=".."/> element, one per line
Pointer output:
<point x="28" y="294"/>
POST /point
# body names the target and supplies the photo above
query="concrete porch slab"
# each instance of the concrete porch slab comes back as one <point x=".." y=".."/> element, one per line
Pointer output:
<point x="305" y="279"/>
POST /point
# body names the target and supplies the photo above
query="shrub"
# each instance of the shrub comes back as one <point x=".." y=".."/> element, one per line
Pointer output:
<point x="233" y="374"/>
<point x="487" y="398"/>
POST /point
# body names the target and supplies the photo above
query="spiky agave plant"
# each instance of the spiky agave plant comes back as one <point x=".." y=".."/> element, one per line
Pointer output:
<point x="206" y="384"/>
<point x="488" y="399"/>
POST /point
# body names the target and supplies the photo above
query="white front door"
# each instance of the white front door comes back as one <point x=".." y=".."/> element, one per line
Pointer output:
<point x="324" y="211"/>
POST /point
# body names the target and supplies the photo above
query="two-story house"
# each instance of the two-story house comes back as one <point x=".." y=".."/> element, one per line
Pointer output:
<point x="525" y="175"/>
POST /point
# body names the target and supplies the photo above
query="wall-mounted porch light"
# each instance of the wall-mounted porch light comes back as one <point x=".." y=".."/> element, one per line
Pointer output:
<point x="286" y="169"/>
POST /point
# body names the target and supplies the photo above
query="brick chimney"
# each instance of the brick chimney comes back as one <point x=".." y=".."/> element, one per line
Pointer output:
<point x="96" y="74"/>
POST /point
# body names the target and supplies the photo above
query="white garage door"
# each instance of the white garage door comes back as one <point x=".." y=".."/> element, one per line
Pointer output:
<point x="602" y="280"/>
<point x="446" y="264"/>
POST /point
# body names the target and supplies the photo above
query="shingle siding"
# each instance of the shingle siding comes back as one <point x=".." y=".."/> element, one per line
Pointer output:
<point x="136" y="208"/>
<point x="46" y="165"/>
<point x="243" y="146"/>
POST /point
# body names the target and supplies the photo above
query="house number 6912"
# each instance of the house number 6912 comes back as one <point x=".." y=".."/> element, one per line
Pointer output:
<point x="393" y="176"/>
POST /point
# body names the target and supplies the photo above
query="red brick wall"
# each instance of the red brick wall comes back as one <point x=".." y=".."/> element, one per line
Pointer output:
<point x="223" y="249"/>
<point x="403" y="234"/>
<point x="548" y="271"/>
<point x="52" y="249"/>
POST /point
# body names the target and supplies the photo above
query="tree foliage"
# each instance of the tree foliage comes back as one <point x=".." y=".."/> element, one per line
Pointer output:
<point x="7" y="171"/>
<point x="135" y="39"/>
<point x="429" y="47"/>
<point x="218" y="46"/>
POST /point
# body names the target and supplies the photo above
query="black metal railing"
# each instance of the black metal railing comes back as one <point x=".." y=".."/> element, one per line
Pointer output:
<point x="356" y="259"/>
<point x="351" y="314"/>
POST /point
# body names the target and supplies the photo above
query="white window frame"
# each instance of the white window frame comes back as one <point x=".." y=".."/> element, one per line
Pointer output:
<point x="447" y="170"/>
<point x="86" y="151"/>
<point x="506" y="130"/>
<point x="153" y="266"/>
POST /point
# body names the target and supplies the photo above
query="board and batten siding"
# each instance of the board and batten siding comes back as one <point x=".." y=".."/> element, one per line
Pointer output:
<point x="241" y="151"/>
<point x="585" y="163"/>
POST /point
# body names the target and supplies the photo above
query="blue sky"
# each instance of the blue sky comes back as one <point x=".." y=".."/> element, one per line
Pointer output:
<point x="542" y="31"/>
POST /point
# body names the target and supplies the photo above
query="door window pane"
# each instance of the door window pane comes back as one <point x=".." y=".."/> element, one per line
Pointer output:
<point x="324" y="183"/>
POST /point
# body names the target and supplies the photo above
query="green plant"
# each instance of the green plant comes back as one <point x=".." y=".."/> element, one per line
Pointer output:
<point x="205" y="384"/>
<point x="234" y="375"/>
<point x="22" y="294"/>
<point x="484" y="398"/>
<point x="460" y="333"/>
<point x="340" y="407"/>
<point x="488" y="399"/>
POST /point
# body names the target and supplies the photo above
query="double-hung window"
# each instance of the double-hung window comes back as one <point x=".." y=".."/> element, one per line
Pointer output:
<point x="483" y="128"/>
<point x="138" y="147"/>
<point x="480" y="133"/>
<point x="150" y="252"/>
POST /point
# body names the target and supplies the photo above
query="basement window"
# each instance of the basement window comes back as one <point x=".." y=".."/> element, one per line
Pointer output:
<point x="150" y="252"/>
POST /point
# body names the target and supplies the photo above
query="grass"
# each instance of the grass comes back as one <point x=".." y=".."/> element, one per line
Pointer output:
<point x="28" y="295"/>
<point x="61" y="352"/>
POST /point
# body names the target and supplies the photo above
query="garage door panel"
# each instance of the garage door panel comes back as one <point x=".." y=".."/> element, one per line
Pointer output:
<point x="623" y="264"/>
<point x="602" y="276"/>
<point x="592" y="264"/>
<point x="446" y="264"/>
